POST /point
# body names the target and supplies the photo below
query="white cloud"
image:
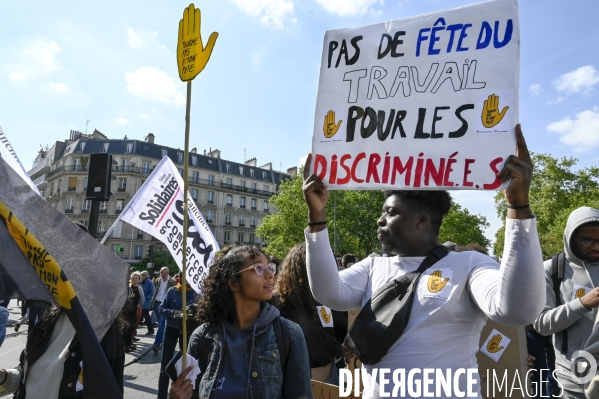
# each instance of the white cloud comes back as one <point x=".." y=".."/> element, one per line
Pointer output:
<point x="144" y="116"/>
<point x="349" y="8"/>
<point x="580" y="132"/>
<point x="134" y="40"/>
<point x="120" y="120"/>
<point x="271" y="12"/>
<point x="556" y="101"/>
<point x="582" y="79"/>
<point x="58" y="87"/>
<point x="535" y="89"/>
<point x="148" y="82"/>
<point x="38" y="56"/>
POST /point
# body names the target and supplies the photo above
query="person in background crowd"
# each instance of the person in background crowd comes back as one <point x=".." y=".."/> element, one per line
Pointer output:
<point x="461" y="292"/>
<point x="348" y="260"/>
<point x="339" y="265"/>
<point x="277" y="262"/>
<point x="148" y="289"/>
<point x="574" y="318"/>
<point x="238" y="337"/>
<point x="172" y="308"/>
<point x="323" y="328"/>
<point x="4" y="313"/>
<point x="130" y="310"/>
<point x="45" y="371"/>
<point x="161" y="286"/>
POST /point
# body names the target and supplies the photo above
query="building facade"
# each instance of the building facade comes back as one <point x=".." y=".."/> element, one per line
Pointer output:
<point x="232" y="197"/>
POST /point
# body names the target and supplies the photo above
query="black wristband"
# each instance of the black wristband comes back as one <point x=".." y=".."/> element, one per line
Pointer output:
<point x="518" y="206"/>
<point x="317" y="223"/>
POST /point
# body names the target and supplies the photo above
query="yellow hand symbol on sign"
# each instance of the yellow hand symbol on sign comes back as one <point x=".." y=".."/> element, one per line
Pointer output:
<point x="434" y="281"/>
<point x="192" y="56"/>
<point x="493" y="345"/>
<point x="325" y="316"/>
<point x="580" y="293"/>
<point x="491" y="115"/>
<point x="330" y="126"/>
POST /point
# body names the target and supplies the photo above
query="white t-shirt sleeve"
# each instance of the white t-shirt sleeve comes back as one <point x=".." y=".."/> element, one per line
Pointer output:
<point x="512" y="294"/>
<point x="340" y="291"/>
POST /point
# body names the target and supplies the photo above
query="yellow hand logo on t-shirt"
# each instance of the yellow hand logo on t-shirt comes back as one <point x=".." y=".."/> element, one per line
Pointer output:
<point x="580" y="293"/>
<point x="434" y="281"/>
<point x="493" y="345"/>
<point x="325" y="316"/>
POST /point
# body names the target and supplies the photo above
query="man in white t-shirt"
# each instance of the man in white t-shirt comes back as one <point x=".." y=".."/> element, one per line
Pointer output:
<point x="161" y="286"/>
<point x="453" y="298"/>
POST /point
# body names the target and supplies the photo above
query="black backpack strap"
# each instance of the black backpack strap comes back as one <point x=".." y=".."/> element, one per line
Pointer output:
<point x="436" y="254"/>
<point x="284" y="344"/>
<point x="558" y="265"/>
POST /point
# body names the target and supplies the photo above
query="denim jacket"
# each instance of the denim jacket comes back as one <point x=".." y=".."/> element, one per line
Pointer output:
<point x="265" y="371"/>
<point x="173" y="300"/>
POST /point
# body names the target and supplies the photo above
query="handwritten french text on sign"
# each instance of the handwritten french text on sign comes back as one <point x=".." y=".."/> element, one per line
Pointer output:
<point x="157" y="209"/>
<point x="426" y="102"/>
<point x="192" y="57"/>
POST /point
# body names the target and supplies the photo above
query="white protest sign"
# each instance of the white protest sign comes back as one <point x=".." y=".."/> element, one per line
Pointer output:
<point x="428" y="102"/>
<point x="157" y="209"/>
<point x="9" y="155"/>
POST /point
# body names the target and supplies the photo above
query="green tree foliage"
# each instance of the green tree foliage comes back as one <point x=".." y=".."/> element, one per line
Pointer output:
<point x="162" y="257"/>
<point x="462" y="227"/>
<point x="556" y="190"/>
<point x="356" y="214"/>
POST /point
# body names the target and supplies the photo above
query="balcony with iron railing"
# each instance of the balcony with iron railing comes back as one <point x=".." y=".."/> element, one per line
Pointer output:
<point x="104" y="211"/>
<point x="115" y="169"/>
<point x="68" y="210"/>
<point x="231" y="187"/>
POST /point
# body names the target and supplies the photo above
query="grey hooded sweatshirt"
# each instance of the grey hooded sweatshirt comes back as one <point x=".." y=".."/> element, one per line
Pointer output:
<point x="571" y="315"/>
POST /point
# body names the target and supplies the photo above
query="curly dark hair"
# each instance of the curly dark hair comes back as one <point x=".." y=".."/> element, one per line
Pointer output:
<point x="217" y="303"/>
<point x="435" y="202"/>
<point x="292" y="284"/>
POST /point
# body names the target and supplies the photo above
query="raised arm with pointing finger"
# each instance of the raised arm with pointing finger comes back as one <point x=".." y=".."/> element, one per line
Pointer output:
<point x="454" y="298"/>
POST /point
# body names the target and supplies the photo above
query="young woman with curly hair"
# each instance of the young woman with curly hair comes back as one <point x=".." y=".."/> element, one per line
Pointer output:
<point x="250" y="352"/>
<point x="323" y="328"/>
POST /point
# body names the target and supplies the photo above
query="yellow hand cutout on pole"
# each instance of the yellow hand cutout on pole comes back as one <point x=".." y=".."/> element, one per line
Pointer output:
<point x="192" y="56"/>
<point x="491" y="115"/>
<point x="434" y="281"/>
<point x="493" y="345"/>
<point x="580" y="293"/>
<point x="330" y="126"/>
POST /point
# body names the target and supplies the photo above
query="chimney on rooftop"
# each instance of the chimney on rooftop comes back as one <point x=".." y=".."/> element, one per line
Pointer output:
<point x="251" y="162"/>
<point x="292" y="171"/>
<point x="194" y="150"/>
<point x="214" y="153"/>
<point x="150" y="138"/>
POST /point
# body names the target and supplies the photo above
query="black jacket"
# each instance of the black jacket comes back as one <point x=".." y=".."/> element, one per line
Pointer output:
<point x="37" y="343"/>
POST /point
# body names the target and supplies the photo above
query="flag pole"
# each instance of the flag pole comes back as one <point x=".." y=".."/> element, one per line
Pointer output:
<point x="185" y="224"/>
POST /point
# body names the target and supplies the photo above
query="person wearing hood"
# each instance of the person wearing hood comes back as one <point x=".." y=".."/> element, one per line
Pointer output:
<point x="238" y="336"/>
<point x="579" y="297"/>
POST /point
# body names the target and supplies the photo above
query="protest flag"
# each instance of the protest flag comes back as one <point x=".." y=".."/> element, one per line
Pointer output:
<point x="157" y="209"/>
<point x="74" y="269"/>
<point x="9" y="155"/>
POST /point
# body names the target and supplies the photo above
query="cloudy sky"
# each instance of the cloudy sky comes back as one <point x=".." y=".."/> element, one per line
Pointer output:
<point x="113" y="63"/>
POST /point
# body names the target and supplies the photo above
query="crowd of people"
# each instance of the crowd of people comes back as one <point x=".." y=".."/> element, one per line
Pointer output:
<point x="264" y="328"/>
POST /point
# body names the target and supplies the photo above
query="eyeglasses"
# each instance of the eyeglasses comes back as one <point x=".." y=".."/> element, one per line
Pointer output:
<point x="260" y="268"/>
<point x="587" y="242"/>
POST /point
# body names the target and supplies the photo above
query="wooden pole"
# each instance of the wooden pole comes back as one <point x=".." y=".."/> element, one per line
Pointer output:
<point x="185" y="223"/>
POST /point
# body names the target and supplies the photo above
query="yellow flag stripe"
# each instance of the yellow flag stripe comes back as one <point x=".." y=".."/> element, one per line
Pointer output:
<point x="46" y="267"/>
